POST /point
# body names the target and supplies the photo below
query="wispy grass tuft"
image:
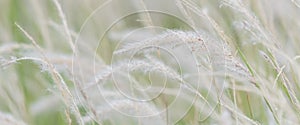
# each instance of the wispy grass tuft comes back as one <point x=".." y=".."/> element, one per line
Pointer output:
<point x="150" y="62"/>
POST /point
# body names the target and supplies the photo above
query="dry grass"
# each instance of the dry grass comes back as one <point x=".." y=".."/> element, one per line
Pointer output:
<point x="112" y="62"/>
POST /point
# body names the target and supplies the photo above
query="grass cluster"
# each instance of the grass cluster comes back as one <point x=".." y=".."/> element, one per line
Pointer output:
<point x="145" y="62"/>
